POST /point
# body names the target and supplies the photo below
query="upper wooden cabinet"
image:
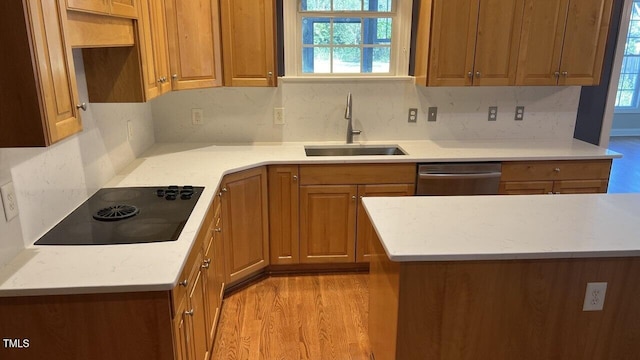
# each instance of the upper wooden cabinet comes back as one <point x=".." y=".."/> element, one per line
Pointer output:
<point x="474" y="42"/>
<point x="245" y="220"/>
<point x="248" y="30"/>
<point x="153" y="48"/>
<point x="563" y="42"/>
<point x="124" y="8"/>
<point x="193" y="29"/>
<point x="38" y="83"/>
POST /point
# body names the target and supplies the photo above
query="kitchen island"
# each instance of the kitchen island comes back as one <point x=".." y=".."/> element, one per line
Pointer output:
<point x="497" y="277"/>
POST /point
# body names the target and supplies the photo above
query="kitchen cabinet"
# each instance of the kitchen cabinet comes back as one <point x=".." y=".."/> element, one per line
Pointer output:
<point x="330" y="213"/>
<point x="366" y="233"/>
<point x="555" y="177"/>
<point x="563" y="42"/>
<point x="193" y="29"/>
<point x="124" y="8"/>
<point x="283" y="214"/>
<point x="245" y="218"/>
<point x="474" y="42"/>
<point x="153" y="48"/>
<point x="213" y="266"/>
<point x="39" y="101"/>
<point x="248" y="30"/>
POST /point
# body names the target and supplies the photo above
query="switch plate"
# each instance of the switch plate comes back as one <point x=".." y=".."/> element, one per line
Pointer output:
<point x="594" y="296"/>
<point x="519" y="113"/>
<point x="278" y="116"/>
<point x="433" y="113"/>
<point x="413" y="115"/>
<point x="9" y="201"/>
<point x="493" y="113"/>
<point x="196" y="116"/>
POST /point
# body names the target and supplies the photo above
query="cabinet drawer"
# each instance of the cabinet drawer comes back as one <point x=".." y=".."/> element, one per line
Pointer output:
<point x="556" y="170"/>
<point x="358" y="174"/>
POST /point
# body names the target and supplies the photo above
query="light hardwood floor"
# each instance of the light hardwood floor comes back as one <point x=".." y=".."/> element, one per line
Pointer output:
<point x="625" y="172"/>
<point x="296" y="317"/>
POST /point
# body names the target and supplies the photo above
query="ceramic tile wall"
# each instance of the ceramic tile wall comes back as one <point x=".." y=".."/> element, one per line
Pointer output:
<point x="315" y="112"/>
<point x="51" y="182"/>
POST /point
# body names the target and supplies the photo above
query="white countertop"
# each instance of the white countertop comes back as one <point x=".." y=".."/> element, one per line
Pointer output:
<point x="424" y="228"/>
<point x="156" y="266"/>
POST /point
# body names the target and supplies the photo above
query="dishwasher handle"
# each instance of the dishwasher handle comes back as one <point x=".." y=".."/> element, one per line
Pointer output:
<point x="486" y="175"/>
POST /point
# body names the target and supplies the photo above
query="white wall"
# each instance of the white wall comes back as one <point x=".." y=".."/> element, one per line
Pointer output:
<point x="51" y="182"/>
<point x="315" y="111"/>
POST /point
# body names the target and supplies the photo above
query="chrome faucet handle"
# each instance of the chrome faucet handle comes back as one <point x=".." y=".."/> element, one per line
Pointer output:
<point x="347" y="110"/>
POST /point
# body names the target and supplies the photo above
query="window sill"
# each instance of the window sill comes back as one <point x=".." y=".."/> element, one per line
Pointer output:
<point x="339" y="79"/>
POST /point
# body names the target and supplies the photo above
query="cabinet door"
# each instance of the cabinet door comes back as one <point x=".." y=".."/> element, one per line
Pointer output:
<point x="525" y="187"/>
<point x="196" y="312"/>
<point x="453" y="40"/>
<point x="58" y="91"/>
<point x="541" y="42"/>
<point x="181" y="334"/>
<point x="327" y="223"/>
<point x="585" y="40"/>
<point x="283" y="214"/>
<point x="194" y="43"/>
<point x="245" y="216"/>
<point x="496" y="56"/>
<point x="211" y="289"/>
<point x="153" y="48"/>
<point x="99" y="6"/>
<point x="248" y="27"/>
<point x="125" y="8"/>
<point x="365" y="231"/>
<point x="580" y="186"/>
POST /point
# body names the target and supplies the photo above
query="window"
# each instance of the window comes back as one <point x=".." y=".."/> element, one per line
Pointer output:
<point x="629" y="84"/>
<point x="347" y="37"/>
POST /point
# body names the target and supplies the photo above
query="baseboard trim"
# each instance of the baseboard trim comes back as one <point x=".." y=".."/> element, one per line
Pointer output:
<point x="625" y="132"/>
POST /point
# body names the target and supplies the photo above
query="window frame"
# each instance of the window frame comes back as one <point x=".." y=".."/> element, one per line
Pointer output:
<point x="401" y="38"/>
<point x="635" y="108"/>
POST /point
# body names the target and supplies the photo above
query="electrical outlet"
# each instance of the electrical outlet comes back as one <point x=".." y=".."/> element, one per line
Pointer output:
<point x="129" y="130"/>
<point x="594" y="296"/>
<point x="519" y="113"/>
<point x="278" y="116"/>
<point x="196" y="116"/>
<point x="493" y="113"/>
<point x="9" y="201"/>
<point x="413" y="115"/>
<point x="433" y="114"/>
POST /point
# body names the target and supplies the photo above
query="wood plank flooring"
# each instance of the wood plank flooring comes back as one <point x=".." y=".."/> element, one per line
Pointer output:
<point x="625" y="172"/>
<point x="296" y="317"/>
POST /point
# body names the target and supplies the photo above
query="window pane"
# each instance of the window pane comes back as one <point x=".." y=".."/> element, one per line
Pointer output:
<point x="347" y="5"/>
<point x="377" y="31"/>
<point x="635" y="11"/>
<point x="381" y="59"/>
<point x="634" y="28"/>
<point x="316" y="60"/>
<point x="315" y="5"/>
<point x="346" y="60"/>
<point x="347" y="31"/>
<point x="625" y="98"/>
<point x="633" y="46"/>
<point x="377" y="5"/>
<point x="316" y="31"/>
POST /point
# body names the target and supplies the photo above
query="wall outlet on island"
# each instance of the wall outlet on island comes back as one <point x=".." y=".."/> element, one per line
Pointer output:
<point x="196" y="116"/>
<point x="278" y="116"/>
<point x="9" y="201"/>
<point x="594" y="296"/>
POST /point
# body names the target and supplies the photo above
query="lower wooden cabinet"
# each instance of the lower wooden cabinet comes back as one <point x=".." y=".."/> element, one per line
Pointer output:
<point x="555" y="177"/>
<point x="284" y="214"/>
<point x="246" y="223"/>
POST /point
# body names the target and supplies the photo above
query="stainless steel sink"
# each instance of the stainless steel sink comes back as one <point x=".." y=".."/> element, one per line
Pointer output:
<point x="353" y="150"/>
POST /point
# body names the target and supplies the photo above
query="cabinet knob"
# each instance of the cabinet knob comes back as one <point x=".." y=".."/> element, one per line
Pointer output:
<point x="224" y="189"/>
<point x="556" y="170"/>
<point x="270" y="74"/>
<point x="361" y="197"/>
<point x="295" y="177"/>
<point x="478" y="74"/>
<point x="217" y="229"/>
<point x="82" y="106"/>
<point x="205" y="265"/>
<point x="189" y="312"/>
<point x="174" y="76"/>
<point x="565" y="74"/>
<point x="159" y="81"/>
<point x="556" y="74"/>
<point x="353" y="197"/>
<point x="184" y="283"/>
<point x="470" y="74"/>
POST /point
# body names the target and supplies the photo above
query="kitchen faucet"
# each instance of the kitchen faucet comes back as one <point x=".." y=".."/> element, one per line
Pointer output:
<point x="348" y="115"/>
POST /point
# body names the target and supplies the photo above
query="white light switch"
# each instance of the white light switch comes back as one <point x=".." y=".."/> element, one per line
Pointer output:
<point x="9" y="201"/>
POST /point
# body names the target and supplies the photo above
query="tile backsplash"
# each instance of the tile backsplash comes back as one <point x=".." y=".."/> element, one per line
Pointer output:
<point x="314" y="111"/>
<point x="51" y="182"/>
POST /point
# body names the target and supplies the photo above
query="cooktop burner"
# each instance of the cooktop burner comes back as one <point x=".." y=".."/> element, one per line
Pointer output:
<point x="127" y="216"/>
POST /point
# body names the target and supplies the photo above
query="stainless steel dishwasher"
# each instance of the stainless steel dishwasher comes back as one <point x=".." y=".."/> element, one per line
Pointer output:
<point x="458" y="179"/>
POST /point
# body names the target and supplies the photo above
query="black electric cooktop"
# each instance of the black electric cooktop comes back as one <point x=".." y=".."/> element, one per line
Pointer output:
<point x="128" y="215"/>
